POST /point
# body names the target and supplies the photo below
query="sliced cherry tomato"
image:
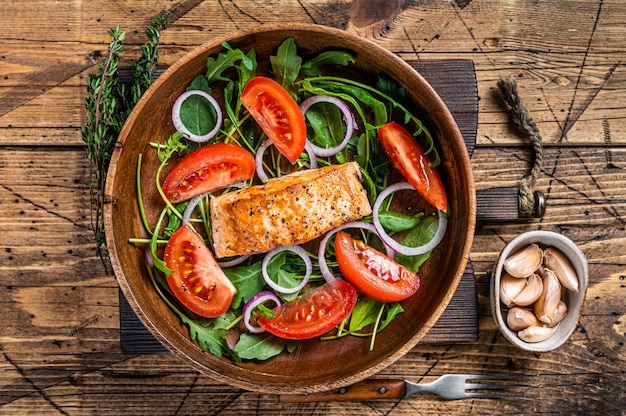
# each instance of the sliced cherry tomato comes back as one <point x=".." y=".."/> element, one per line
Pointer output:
<point x="278" y="114"/>
<point x="372" y="273"/>
<point x="206" y="169"/>
<point x="313" y="313"/>
<point x="198" y="282"/>
<point x="409" y="158"/>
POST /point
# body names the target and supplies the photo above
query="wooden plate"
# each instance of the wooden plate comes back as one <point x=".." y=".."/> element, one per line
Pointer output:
<point x="315" y="365"/>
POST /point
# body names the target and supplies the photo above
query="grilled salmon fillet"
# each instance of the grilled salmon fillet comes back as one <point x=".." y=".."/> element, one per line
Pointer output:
<point x="292" y="209"/>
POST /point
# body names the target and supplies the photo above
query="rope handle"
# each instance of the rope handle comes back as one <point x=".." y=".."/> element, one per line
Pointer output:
<point x="530" y="202"/>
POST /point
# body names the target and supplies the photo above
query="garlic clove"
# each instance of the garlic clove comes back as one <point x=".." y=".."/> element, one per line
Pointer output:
<point x="521" y="318"/>
<point x="548" y="302"/>
<point x="524" y="262"/>
<point x="557" y="261"/>
<point x="561" y="312"/>
<point x="536" y="333"/>
<point x="510" y="287"/>
<point x="531" y="292"/>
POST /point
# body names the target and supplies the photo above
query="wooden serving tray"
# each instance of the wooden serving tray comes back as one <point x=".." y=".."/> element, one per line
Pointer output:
<point x="455" y="82"/>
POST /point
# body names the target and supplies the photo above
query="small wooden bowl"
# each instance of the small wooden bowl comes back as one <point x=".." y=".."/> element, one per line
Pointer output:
<point x="573" y="300"/>
<point x="315" y="365"/>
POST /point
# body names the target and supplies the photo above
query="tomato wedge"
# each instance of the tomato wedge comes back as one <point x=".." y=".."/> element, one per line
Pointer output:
<point x="206" y="169"/>
<point x="372" y="273"/>
<point x="198" y="282"/>
<point x="409" y="158"/>
<point x="313" y="313"/>
<point x="278" y="114"/>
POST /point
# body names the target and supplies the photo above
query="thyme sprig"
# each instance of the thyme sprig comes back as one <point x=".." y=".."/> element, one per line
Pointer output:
<point x="108" y="104"/>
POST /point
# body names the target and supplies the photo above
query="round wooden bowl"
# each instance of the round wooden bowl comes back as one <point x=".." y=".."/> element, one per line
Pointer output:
<point x="315" y="365"/>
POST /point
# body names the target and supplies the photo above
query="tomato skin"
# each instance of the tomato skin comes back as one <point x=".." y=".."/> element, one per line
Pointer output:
<point x="372" y="273"/>
<point x="312" y="314"/>
<point x="206" y="169"/>
<point x="409" y="158"/>
<point x="278" y="114"/>
<point x="195" y="270"/>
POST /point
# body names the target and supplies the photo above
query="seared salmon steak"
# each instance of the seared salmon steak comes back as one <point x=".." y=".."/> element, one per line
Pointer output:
<point x="288" y="210"/>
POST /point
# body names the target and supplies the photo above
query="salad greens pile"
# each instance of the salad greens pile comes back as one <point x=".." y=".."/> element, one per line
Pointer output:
<point x="228" y="73"/>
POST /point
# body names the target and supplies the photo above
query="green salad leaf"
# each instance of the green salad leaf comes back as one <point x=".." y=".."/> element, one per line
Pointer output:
<point x="262" y="346"/>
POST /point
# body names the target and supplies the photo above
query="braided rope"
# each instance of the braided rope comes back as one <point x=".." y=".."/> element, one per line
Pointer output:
<point x="521" y="117"/>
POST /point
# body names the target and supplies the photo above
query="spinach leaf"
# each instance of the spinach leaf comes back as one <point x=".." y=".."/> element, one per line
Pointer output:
<point x="198" y="115"/>
<point x="262" y="346"/>
<point x="200" y="83"/>
<point x="397" y="222"/>
<point x="278" y="269"/>
<point x="248" y="281"/>
<point x="311" y="67"/>
<point x="326" y="120"/>
<point x="420" y="235"/>
<point x="365" y="313"/>
<point x="389" y="87"/>
<point x="286" y="65"/>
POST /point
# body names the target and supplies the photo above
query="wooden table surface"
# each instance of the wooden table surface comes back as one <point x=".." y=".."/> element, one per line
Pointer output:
<point x="60" y="329"/>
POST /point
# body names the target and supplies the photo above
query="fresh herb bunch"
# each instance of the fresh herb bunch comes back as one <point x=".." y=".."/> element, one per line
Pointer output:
<point x="108" y="104"/>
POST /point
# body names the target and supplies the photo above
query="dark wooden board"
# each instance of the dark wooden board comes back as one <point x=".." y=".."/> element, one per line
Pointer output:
<point x="455" y="81"/>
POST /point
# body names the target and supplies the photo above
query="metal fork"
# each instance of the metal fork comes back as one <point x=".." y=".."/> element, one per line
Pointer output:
<point x="459" y="386"/>
<point x="448" y="387"/>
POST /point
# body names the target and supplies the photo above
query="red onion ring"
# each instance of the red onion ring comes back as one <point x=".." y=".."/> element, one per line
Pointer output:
<point x="348" y="117"/>
<point x="387" y="239"/>
<point x="256" y="300"/>
<point x="321" y="259"/>
<point x="307" y="262"/>
<point x="258" y="158"/>
<point x="191" y="206"/>
<point x="193" y="202"/>
<point x="234" y="262"/>
<point x="178" y="123"/>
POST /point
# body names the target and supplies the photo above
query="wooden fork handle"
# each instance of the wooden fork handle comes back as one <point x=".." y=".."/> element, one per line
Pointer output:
<point x="369" y="389"/>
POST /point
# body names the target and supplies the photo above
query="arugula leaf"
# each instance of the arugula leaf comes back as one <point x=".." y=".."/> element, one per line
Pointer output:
<point x="286" y="65"/>
<point x="173" y="144"/>
<point x="248" y="281"/>
<point x="393" y="310"/>
<point x="209" y="334"/>
<point x="225" y="60"/>
<point x="262" y="346"/>
<point x="420" y="235"/>
<point x="312" y="66"/>
<point x="208" y="337"/>
<point x="247" y="69"/>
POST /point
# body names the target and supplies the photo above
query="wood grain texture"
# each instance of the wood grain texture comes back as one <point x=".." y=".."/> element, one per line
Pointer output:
<point x="59" y="336"/>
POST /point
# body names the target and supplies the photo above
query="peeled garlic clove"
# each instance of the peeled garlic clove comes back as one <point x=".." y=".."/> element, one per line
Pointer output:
<point x="548" y="302"/>
<point x="521" y="318"/>
<point x="524" y="262"/>
<point x="509" y="288"/>
<point x="557" y="261"/>
<point x="536" y="333"/>
<point x="561" y="312"/>
<point x="531" y="292"/>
